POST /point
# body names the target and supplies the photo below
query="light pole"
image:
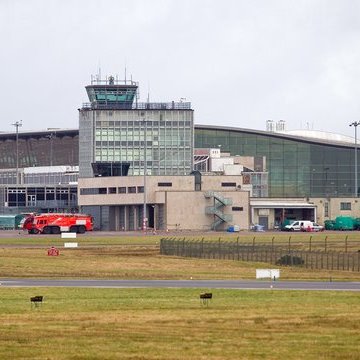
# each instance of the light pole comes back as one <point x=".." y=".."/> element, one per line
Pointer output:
<point x="145" y="170"/>
<point x="50" y="137"/>
<point x="355" y="124"/>
<point x="17" y="124"/>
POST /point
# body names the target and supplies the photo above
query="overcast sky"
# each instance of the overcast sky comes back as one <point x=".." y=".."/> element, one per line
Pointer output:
<point x="239" y="62"/>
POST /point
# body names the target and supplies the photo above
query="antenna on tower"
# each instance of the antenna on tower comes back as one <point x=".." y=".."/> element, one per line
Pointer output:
<point x="148" y="96"/>
<point x="99" y="73"/>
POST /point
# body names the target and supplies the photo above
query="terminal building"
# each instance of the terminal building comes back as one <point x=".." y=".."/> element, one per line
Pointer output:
<point x="130" y="160"/>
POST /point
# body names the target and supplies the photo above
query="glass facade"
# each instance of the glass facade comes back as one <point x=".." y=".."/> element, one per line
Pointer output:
<point x="46" y="148"/>
<point x="121" y="135"/>
<point x="297" y="168"/>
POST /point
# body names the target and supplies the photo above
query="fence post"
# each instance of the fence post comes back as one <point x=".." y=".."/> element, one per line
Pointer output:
<point x="346" y="243"/>
<point x="325" y="243"/>
<point x="310" y="243"/>
<point x="219" y="249"/>
<point x="289" y="243"/>
<point x="237" y="248"/>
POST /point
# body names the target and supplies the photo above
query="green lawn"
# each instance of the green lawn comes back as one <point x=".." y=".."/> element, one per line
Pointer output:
<point x="140" y="262"/>
<point x="337" y="241"/>
<point x="84" y="323"/>
<point x="173" y="324"/>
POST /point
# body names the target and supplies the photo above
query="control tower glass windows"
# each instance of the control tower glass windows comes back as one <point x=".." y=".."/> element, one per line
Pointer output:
<point x="168" y="142"/>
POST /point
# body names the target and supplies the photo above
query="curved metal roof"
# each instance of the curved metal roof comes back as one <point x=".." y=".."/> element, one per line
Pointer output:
<point x="312" y="137"/>
<point x="329" y="141"/>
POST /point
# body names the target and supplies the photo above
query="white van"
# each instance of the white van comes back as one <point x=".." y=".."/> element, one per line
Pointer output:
<point x="299" y="225"/>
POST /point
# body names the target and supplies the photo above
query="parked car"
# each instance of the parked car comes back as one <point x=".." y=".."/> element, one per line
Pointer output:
<point x="317" y="227"/>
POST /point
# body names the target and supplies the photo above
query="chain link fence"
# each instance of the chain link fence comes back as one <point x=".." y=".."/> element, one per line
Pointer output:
<point x="272" y="254"/>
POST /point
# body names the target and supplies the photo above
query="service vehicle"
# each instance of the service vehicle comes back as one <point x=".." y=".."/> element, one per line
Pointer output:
<point x="56" y="223"/>
<point x="299" y="225"/>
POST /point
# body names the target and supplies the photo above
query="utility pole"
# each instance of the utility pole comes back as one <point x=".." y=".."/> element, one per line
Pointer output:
<point x="145" y="171"/>
<point x="17" y="124"/>
<point x="355" y="125"/>
<point x="50" y="137"/>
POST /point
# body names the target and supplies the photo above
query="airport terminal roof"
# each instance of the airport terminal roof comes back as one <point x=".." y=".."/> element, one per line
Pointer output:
<point x="310" y="136"/>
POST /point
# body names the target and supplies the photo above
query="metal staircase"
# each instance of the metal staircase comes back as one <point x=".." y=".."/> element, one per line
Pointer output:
<point x="216" y="209"/>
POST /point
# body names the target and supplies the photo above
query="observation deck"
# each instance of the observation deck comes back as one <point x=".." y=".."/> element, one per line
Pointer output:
<point x="114" y="94"/>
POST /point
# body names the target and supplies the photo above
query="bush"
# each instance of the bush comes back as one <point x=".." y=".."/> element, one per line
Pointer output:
<point x="290" y="260"/>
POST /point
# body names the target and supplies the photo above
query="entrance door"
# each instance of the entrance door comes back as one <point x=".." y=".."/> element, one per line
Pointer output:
<point x="31" y="200"/>
<point x="264" y="221"/>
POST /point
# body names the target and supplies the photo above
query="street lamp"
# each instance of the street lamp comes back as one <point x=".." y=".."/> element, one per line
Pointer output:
<point x="145" y="171"/>
<point x="355" y="124"/>
<point x="50" y="137"/>
<point x="17" y="124"/>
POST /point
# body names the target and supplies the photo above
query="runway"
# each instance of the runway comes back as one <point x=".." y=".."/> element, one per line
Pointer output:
<point x="201" y="284"/>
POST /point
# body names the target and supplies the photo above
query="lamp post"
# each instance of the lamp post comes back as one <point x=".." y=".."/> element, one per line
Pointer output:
<point x="17" y="124"/>
<point x="145" y="171"/>
<point x="50" y="137"/>
<point x="355" y="124"/>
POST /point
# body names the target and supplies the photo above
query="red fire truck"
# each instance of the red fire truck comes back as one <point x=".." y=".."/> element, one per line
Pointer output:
<point x="56" y="223"/>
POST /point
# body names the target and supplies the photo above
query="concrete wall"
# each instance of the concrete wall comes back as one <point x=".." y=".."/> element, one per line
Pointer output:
<point x="334" y="208"/>
<point x="186" y="210"/>
<point x="184" y="207"/>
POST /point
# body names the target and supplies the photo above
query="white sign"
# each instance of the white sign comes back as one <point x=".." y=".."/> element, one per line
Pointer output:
<point x="267" y="273"/>
<point x="70" y="235"/>
<point x="71" y="245"/>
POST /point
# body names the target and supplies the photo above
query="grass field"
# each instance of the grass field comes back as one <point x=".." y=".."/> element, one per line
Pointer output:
<point x="139" y="262"/>
<point x="159" y="324"/>
<point x="173" y="324"/>
<point x="331" y="241"/>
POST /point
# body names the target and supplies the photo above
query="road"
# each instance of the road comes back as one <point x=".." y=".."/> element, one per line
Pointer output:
<point x="208" y="284"/>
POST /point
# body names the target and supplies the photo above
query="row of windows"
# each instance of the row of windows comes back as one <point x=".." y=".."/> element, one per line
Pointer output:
<point x="119" y="190"/>
<point x="140" y="123"/>
<point x="171" y="142"/>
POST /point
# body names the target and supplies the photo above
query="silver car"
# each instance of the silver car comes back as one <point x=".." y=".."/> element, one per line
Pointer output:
<point x="317" y="227"/>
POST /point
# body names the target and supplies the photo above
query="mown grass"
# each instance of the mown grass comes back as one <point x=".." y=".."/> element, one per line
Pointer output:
<point x="330" y="241"/>
<point x="140" y="262"/>
<point x="173" y="324"/>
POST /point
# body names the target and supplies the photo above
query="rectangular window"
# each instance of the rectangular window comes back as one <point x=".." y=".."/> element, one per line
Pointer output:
<point x="132" y="190"/>
<point x="140" y="189"/>
<point x="122" y="190"/>
<point x="112" y="190"/>
<point x="88" y="191"/>
<point x="345" y="206"/>
<point x="326" y="209"/>
<point x="228" y="184"/>
<point x="237" y="208"/>
<point x="164" y="184"/>
<point x="102" y="190"/>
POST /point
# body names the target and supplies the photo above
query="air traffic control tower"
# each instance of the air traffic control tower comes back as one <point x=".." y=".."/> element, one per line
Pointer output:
<point x="112" y="94"/>
<point x="117" y="133"/>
